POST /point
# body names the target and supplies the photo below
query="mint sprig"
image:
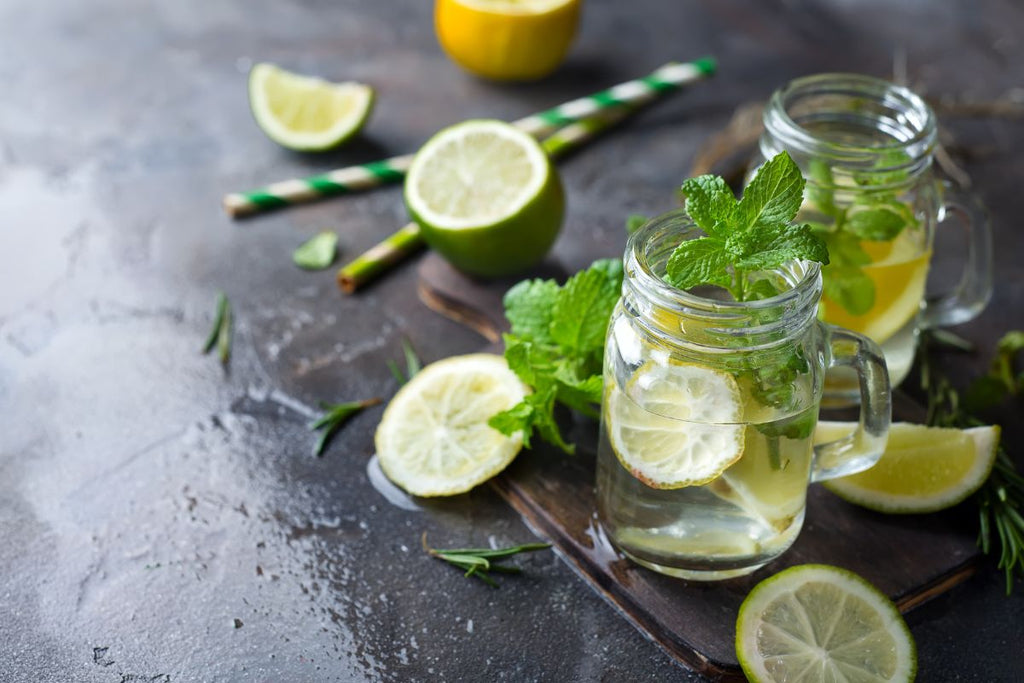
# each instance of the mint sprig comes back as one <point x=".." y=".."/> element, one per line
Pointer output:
<point x="755" y="233"/>
<point x="556" y="346"/>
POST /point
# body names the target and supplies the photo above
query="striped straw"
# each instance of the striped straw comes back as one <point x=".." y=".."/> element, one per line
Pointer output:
<point x="668" y="78"/>
<point x="408" y="240"/>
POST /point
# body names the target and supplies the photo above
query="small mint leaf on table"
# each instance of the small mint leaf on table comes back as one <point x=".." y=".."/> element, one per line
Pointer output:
<point x="710" y="203"/>
<point x="317" y="253"/>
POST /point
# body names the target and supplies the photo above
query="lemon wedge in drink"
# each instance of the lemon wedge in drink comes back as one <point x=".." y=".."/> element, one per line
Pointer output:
<point x="506" y="39"/>
<point x="305" y="113"/>
<point x="816" y="622"/>
<point x="923" y="469"/>
<point x="675" y="425"/>
<point x="434" y="440"/>
<point x="486" y="197"/>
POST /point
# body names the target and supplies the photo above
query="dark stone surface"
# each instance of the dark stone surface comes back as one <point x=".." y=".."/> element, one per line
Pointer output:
<point x="162" y="520"/>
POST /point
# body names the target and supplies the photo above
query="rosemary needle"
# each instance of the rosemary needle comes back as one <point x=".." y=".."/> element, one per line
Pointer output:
<point x="412" y="364"/>
<point x="479" y="561"/>
<point x="336" y="415"/>
<point x="220" y="333"/>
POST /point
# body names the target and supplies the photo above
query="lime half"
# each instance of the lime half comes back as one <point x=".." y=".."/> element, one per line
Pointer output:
<point x="923" y="469"/>
<point x="676" y="425"/>
<point x="434" y="440"/>
<point x="486" y="196"/>
<point x="304" y="113"/>
<point x="815" y="622"/>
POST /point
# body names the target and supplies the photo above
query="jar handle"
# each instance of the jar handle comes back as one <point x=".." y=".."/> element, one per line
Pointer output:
<point x="972" y="293"/>
<point x="861" y="449"/>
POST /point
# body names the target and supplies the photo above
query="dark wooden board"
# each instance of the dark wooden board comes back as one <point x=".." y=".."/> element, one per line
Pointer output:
<point x="911" y="558"/>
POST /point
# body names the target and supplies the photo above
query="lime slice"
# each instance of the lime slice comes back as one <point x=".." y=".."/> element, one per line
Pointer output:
<point x="304" y="113"/>
<point x="486" y="197"/>
<point x="434" y="440"/>
<point x="678" y="426"/>
<point x="814" y="622"/>
<point x="923" y="469"/>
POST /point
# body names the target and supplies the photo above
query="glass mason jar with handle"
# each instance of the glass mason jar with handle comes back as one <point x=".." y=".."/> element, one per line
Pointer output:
<point x="865" y="148"/>
<point x="709" y="409"/>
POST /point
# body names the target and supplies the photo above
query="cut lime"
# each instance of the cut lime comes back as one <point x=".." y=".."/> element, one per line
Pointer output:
<point x="923" y="469"/>
<point x="304" y="113"/>
<point x="434" y="440"/>
<point x="486" y="196"/>
<point x="814" y="622"/>
<point x="676" y="425"/>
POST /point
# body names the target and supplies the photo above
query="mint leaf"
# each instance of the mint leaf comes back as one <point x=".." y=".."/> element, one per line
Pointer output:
<point x="528" y="307"/>
<point x="701" y="261"/>
<point x="880" y="223"/>
<point x="579" y="318"/>
<point x="317" y="253"/>
<point x="775" y="245"/>
<point x="518" y="418"/>
<point x="634" y="222"/>
<point x="710" y="203"/>
<point x="844" y="250"/>
<point x="820" y="189"/>
<point x="851" y="288"/>
<point x="773" y="196"/>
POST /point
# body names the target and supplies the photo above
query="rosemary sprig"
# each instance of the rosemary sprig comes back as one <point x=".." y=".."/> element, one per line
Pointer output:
<point x="1001" y="498"/>
<point x="412" y="364"/>
<point x="220" y="333"/>
<point x="337" y="415"/>
<point x="478" y="561"/>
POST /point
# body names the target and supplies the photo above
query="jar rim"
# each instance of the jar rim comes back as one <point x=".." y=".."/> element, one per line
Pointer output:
<point x="915" y="121"/>
<point x="793" y="306"/>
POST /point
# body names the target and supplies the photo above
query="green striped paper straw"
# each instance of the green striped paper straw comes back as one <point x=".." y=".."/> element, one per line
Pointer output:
<point x="667" y="78"/>
<point x="408" y="240"/>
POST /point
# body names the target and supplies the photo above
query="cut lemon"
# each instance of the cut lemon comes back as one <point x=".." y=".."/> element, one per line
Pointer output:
<point x="434" y="440"/>
<point x="923" y="469"/>
<point x="304" y="113"/>
<point x="486" y="196"/>
<point x="675" y="425"/>
<point x="815" y="622"/>
<point x="506" y="39"/>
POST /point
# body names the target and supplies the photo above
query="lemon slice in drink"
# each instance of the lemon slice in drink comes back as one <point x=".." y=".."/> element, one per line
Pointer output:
<point x="304" y="113"/>
<point x="923" y="469"/>
<point x="816" y="622"/>
<point x="486" y="196"/>
<point x="434" y="440"/>
<point x="676" y="425"/>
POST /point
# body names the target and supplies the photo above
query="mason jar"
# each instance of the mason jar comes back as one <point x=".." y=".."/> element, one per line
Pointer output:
<point x="709" y="408"/>
<point x="865" y="147"/>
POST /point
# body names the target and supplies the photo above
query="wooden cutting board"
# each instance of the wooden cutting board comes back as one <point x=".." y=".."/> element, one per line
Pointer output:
<point x="911" y="558"/>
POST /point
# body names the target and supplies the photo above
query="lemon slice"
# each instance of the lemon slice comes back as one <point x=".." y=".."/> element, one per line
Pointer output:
<point x="923" y="469"/>
<point x="678" y="426"/>
<point x="304" y="113"/>
<point x="815" y="622"/>
<point x="434" y="440"/>
<point x="486" y="197"/>
<point x="506" y="39"/>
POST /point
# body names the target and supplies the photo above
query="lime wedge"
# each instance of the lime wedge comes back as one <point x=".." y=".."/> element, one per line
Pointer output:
<point x="814" y="622"/>
<point x="304" y="113"/>
<point x="434" y="440"/>
<point x="486" y="196"/>
<point x="923" y="469"/>
<point x="676" y="425"/>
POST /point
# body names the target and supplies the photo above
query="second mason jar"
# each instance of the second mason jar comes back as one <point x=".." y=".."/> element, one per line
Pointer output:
<point x="709" y="409"/>
<point x="865" y="147"/>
